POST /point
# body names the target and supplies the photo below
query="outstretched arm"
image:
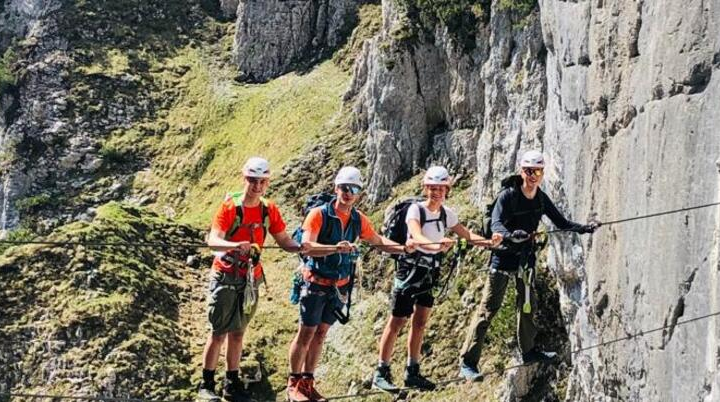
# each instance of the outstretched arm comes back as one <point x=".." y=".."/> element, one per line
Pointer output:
<point x="556" y="217"/>
<point x="387" y="245"/>
<point x="476" y="239"/>
<point x="216" y="241"/>
<point x="286" y="242"/>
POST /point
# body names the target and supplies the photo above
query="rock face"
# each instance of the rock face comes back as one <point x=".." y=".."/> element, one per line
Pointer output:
<point x="434" y="101"/>
<point x="229" y="8"/>
<point x="41" y="94"/>
<point x="276" y="36"/>
<point x="624" y="104"/>
<point x="631" y="126"/>
<point x="68" y="99"/>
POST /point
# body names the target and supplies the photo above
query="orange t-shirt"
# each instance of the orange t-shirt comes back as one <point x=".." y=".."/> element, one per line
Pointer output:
<point x="313" y="222"/>
<point x="223" y="221"/>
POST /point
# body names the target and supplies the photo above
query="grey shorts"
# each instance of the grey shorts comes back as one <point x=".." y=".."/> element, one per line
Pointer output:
<point x="317" y="304"/>
<point x="225" y="304"/>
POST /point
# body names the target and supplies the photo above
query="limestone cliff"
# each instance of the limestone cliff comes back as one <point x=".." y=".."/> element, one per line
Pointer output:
<point x="40" y="92"/>
<point x="622" y="98"/>
<point x="631" y="129"/>
<point x="275" y="36"/>
<point x="431" y="99"/>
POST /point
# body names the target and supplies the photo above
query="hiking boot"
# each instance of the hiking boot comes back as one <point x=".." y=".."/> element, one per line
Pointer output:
<point x="206" y="393"/>
<point x="234" y="391"/>
<point x="310" y="391"/>
<point x="470" y="373"/>
<point x="296" y="391"/>
<point x="382" y="380"/>
<point x="414" y="379"/>
<point x="537" y="355"/>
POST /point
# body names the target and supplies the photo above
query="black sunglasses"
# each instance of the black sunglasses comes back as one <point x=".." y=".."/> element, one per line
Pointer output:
<point x="349" y="188"/>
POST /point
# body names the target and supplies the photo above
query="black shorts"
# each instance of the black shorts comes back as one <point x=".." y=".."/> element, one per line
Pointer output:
<point x="403" y="305"/>
<point x="404" y="299"/>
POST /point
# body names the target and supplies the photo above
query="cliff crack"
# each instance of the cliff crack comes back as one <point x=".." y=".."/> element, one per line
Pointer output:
<point x="633" y="47"/>
<point x="417" y="79"/>
<point x="623" y="121"/>
<point x="679" y="309"/>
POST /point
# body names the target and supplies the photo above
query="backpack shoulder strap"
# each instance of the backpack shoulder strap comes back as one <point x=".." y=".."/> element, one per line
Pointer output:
<point x="423" y="216"/>
<point x="356" y="221"/>
<point x="443" y="216"/>
<point x="265" y="214"/>
<point x="237" y="222"/>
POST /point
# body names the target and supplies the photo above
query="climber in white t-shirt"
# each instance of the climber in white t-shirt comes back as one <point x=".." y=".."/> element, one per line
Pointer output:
<point x="428" y="223"/>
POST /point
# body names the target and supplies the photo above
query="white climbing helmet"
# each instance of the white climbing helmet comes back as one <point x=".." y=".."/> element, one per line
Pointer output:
<point x="532" y="159"/>
<point x="349" y="175"/>
<point x="437" y="175"/>
<point x="256" y="167"/>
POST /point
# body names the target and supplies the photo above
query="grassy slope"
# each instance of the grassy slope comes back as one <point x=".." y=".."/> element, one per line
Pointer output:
<point x="113" y="317"/>
<point x="216" y="126"/>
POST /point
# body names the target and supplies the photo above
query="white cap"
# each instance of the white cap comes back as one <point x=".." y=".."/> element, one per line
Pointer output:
<point x="532" y="159"/>
<point x="349" y="175"/>
<point x="437" y="175"/>
<point x="256" y="167"/>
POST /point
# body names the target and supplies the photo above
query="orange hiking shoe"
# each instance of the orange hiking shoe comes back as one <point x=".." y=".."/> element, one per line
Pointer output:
<point x="296" y="391"/>
<point x="309" y="387"/>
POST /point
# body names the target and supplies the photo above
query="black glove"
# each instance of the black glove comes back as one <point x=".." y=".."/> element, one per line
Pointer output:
<point x="589" y="228"/>
<point x="518" y="236"/>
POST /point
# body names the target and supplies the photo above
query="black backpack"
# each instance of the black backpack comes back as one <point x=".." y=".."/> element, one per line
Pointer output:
<point x="394" y="226"/>
<point x="511" y="183"/>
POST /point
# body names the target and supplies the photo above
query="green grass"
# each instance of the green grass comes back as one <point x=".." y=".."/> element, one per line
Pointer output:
<point x="216" y="125"/>
<point x="111" y="62"/>
<point x="461" y="17"/>
<point x="370" y="23"/>
<point x="19" y="234"/>
<point x="116" y="314"/>
<point x="7" y="77"/>
<point x="522" y="7"/>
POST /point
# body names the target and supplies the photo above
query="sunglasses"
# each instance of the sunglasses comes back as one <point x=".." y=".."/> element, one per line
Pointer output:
<point x="533" y="171"/>
<point x="349" y="188"/>
<point x="256" y="180"/>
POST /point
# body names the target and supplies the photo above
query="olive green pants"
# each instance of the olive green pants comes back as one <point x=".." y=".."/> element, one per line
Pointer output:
<point x="226" y="312"/>
<point x="492" y="299"/>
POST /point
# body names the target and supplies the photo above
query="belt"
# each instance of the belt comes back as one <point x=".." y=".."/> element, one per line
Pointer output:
<point x="309" y="276"/>
<point x="509" y="274"/>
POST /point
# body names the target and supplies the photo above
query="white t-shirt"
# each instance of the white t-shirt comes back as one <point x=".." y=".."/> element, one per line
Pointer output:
<point x="430" y="229"/>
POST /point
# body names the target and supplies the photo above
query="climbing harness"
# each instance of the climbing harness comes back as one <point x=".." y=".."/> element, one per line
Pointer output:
<point x="422" y="276"/>
<point x="344" y="302"/>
